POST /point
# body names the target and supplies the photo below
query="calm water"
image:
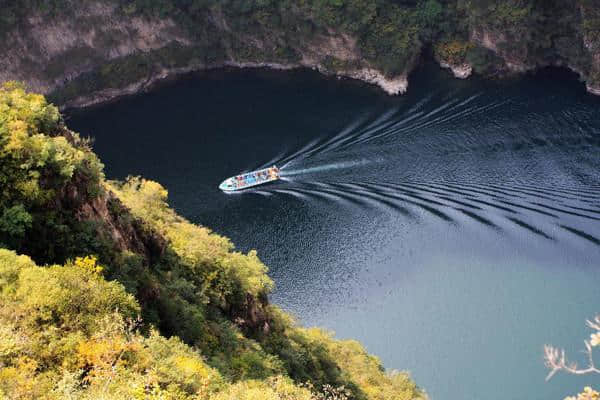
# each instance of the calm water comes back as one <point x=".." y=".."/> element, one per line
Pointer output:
<point x="454" y="230"/>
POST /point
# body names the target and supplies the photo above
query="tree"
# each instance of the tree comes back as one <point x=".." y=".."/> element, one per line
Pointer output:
<point x="14" y="222"/>
<point x="556" y="360"/>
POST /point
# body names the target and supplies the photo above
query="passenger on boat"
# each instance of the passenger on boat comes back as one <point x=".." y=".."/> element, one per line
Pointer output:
<point x="271" y="172"/>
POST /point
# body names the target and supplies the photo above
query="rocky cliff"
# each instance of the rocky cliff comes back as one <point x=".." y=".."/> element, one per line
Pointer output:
<point x="514" y="37"/>
<point x="99" y="52"/>
<point x="92" y="51"/>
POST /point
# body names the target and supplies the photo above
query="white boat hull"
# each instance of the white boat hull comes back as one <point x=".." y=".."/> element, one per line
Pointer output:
<point x="250" y="179"/>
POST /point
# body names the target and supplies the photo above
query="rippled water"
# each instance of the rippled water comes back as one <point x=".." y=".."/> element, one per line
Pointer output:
<point x="454" y="230"/>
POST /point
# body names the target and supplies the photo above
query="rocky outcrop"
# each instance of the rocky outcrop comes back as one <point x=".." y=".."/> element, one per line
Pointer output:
<point x="460" y="71"/>
<point x="252" y="315"/>
<point x="111" y="219"/>
<point x="127" y="234"/>
<point x="392" y="86"/>
<point x="593" y="48"/>
<point x="593" y="88"/>
<point x="513" y="49"/>
<point x="515" y="57"/>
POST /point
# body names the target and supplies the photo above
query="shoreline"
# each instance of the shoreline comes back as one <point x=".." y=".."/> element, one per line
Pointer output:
<point x="371" y="76"/>
<point x="367" y="75"/>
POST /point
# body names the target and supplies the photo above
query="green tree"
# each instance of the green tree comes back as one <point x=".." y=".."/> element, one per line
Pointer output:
<point x="14" y="222"/>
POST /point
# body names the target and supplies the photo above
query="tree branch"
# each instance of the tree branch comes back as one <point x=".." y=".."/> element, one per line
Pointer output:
<point x="556" y="360"/>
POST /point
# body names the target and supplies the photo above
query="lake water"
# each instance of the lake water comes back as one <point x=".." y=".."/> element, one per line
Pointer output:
<point x="454" y="230"/>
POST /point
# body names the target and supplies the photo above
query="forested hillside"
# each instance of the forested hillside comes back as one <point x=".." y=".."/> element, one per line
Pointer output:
<point x="105" y="292"/>
<point x="93" y="50"/>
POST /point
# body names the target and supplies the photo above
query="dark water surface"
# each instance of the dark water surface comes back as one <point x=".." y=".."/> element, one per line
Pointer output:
<point x="454" y="230"/>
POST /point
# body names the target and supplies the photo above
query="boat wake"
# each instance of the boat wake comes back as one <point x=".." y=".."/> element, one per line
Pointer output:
<point x="376" y="127"/>
<point x="433" y="145"/>
<point x="548" y="213"/>
<point x="327" y="167"/>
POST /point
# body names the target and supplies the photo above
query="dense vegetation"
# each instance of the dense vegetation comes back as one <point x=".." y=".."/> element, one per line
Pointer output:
<point x="115" y="296"/>
<point x="492" y="36"/>
<point x="389" y="32"/>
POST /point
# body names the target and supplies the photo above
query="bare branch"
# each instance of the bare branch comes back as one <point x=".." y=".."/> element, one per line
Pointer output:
<point x="595" y="324"/>
<point x="556" y="360"/>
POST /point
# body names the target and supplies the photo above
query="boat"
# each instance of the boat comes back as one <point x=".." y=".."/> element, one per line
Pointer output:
<point x="250" y="179"/>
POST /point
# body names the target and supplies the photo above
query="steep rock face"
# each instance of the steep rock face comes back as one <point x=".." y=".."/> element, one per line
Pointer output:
<point x="126" y="233"/>
<point x="515" y="56"/>
<point x="526" y="35"/>
<point x="90" y="56"/>
<point x="592" y="46"/>
<point x="47" y="52"/>
<point x="99" y="50"/>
